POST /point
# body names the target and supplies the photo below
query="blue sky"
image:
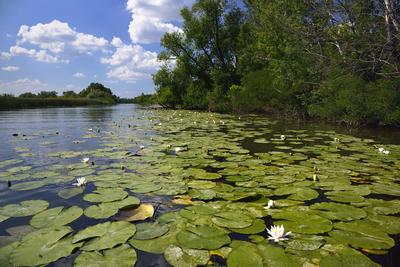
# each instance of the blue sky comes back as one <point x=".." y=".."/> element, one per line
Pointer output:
<point x="65" y="45"/>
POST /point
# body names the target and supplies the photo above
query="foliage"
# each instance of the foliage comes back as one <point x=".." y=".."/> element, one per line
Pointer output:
<point x="144" y="99"/>
<point x="335" y="60"/>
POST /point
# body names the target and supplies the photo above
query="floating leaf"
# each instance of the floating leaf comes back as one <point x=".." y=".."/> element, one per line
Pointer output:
<point x="203" y="237"/>
<point x="141" y="213"/>
<point x="232" y="220"/>
<point x="257" y="226"/>
<point x="43" y="246"/>
<point x="56" y="217"/>
<point x="150" y="230"/>
<point x="106" y="195"/>
<point x="116" y="233"/>
<point x="70" y="192"/>
<point x="122" y="256"/>
<point x="179" y="257"/>
<point x="296" y="222"/>
<point x="336" y="211"/>
<point x="25" y="208"/>
<point x="101" y="211"/>
<point x="244" y="256"/>
<point x="27" y="185"/>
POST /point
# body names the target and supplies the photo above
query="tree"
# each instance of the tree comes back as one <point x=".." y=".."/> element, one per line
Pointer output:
<point x="47" y="94"/>
<point x="27" y="95"/>
<point x="97" y="90"/>
<point x="206" y="54"/>
<point x="70" y="94"/>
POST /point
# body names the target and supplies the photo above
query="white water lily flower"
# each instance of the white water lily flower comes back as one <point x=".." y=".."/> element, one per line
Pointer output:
<point x="283" y="137"/>
<point x="383" y="151"/>
<point x="269" y="205"/>
<point x="277" y="233"/>
<point x="81" y="181"/>
<point x="336" y="140"/>
<point x="141" y="147"/>
<point x="178" y="149"/>
<point x="85" y="160"/>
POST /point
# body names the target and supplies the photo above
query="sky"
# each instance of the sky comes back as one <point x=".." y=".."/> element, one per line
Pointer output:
<point x="67" y="44"/>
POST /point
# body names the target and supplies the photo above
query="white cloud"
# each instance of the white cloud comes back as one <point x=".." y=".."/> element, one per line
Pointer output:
<point x="22" y="85"/>
<point x="40" y="55"/>
<point x="78" y="75"/>
<point x="58" y="36"/>
<point x="124" y="73"/>
<point x="151" y="19"/>
<point x="10" y="68"/>
<point x="5" y="55"/>
<point x="130" y="62"/>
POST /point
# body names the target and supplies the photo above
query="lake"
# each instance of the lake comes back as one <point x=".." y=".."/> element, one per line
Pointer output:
<point x="185" y="188"/>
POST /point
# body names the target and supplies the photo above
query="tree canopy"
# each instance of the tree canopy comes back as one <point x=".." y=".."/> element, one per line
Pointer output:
<point x="337" y="60"/>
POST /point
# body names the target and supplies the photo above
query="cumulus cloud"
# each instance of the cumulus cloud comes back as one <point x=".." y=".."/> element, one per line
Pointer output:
<point x="58" y="36"/>
<point x="22" y="85"/>
<point x="151" y="19"/>
<point x="78" y="75"/>
<point x="130" y="62"/>
<point x="5" y="55"/>
<point x="38" y="55"/>
<point x="10" y="68"/>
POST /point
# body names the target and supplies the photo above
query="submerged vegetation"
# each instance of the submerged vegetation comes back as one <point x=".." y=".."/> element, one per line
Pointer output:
<point x="94" y="94"/>
<point x="334" y="60"/>
<point x="194" y="188"/>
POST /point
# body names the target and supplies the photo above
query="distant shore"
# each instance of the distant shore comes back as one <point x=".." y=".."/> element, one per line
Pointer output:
<point x="10" y="102"/>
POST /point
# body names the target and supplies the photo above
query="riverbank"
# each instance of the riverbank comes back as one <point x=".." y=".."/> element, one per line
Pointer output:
<point x="11" y="102"/>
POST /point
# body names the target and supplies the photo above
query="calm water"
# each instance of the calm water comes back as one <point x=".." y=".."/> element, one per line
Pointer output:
<point x="32" y="135"/>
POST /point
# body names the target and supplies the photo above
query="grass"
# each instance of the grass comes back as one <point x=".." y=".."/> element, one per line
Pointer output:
<point x="11" y="102"/>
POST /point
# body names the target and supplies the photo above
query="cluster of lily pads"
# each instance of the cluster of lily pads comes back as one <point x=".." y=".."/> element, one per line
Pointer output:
<point x="196" y="187"/>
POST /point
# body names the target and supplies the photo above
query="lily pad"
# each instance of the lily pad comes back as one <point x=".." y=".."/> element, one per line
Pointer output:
<point x="25" y="208"/>
<point x="123" y="256"/>
<point x="336" y="211"/>
<point x="43" y="246"/>
<point x="295" y="221"/>
<point x="150" y="230"/>
<point x="141" y="213"/>
<point x="232" y="220"/>
<point x="27" y="185"/>
<point x="106" y="195"/>
<point x="70" y="192"/>
<point x="56" y="217"/>
<point x="244" y="256"/>
<point x="179" y="257"/>
<point x="117" y="233"/>
<point x="203" y="237"/>
<point x="257" y="226"/>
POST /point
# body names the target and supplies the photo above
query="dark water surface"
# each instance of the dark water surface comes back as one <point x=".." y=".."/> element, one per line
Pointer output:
<point x="32" y="135"/>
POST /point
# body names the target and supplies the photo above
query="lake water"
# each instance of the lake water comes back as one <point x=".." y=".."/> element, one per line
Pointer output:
<point x="194" y="187"/>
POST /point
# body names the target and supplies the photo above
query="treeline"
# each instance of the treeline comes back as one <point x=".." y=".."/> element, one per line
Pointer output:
<point x="94" y="94"/>
<point x="336" y="60"/>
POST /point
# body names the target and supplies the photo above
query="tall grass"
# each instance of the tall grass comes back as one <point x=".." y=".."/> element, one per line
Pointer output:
<point x="10" y="102"/>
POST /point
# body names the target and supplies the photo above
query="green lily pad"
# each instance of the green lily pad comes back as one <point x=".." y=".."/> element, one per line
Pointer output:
<point x="56" y="217"/>
<point x="27" y="185"/>
<point x="244" y="256"/>
<point x="150" y="230"/>
<point x="302" y="223"/>
<point x="203" y="237"/>
<point x="257" y="226"/>
<point x="336" y="211"/>
<point x="25" y="208"/>
<point x="117" y="233"/>
<point x="232" y="220"/>
<point x="179" y="257"/>
<point x="276" y="256"/>
<point x="101" y="211"/>
<point x="70" y="192"/>
<point x="43" y="247"/>
<point x="106" y="195"/>
<point x="123" y="256"/>
<point x="360" y="234"/>
<point x="3" y="218"/>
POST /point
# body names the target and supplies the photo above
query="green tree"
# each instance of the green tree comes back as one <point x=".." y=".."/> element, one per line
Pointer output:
<point x="27" y="95"/>
<point x="70" y="94"/>
<point x="47" y="94"/>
